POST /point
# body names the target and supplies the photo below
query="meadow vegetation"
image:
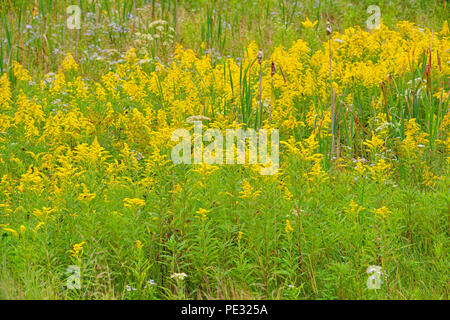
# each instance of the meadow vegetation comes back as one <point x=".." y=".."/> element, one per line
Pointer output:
<point x="87" y="180"/>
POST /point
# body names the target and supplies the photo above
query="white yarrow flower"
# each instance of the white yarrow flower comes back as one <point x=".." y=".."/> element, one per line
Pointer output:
<point x="178" y="276"/>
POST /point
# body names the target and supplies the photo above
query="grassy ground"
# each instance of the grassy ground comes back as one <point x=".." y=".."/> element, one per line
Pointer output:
<point x="87" y="180"/>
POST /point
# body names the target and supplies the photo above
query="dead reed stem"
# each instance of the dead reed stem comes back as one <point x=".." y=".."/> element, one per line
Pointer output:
<point x="329" y="31"/>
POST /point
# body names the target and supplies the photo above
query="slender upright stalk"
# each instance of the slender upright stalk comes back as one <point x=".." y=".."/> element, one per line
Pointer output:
<point x="333" y="138"/>
<point x="260" y="57"/>
<point x="272" y="72"/>
<point x="175" y="19"/>
<point x="153" y="10"/>
<point x="77" y="44"/>
<point x="134" y="15"/>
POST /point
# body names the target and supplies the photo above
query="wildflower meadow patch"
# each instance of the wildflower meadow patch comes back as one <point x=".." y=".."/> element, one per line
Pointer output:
<point x="206" y="149"/>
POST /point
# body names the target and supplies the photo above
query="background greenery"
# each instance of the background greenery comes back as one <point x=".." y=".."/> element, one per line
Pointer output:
<point x="241" y="247"/>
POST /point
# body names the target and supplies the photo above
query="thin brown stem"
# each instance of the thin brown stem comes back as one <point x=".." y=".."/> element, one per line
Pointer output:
<point x="333" y="141"/>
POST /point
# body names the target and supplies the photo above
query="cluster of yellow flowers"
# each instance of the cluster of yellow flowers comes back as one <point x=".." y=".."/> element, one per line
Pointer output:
<point x="91" y="135"/>
<point x="248" y="191"/>
<point x="77" y="249"/>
